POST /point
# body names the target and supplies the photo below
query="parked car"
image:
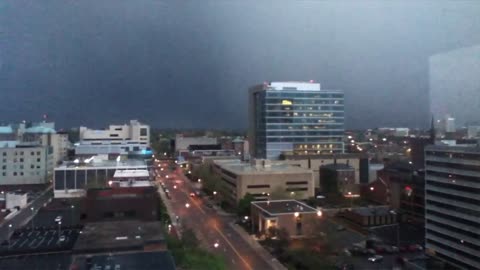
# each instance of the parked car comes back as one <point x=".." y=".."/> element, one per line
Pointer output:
<point x="340" y="228"/>
<point x="58" y="219"/>
<point x="371" y="252"/>
<point x="209" y="205"/>
<point x="375" y="259"/>
<point x="62" y="238"/>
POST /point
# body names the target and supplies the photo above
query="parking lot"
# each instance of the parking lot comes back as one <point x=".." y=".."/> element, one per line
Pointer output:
<point x="140" y="261"/>
<point x="59" y="261"/>
<point x="45" y="218"/>
<point x="38" y="241"/>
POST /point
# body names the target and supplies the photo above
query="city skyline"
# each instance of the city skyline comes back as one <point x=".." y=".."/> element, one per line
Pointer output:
<point x="137" y="61"/>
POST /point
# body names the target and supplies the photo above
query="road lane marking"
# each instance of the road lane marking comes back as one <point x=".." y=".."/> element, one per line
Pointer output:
<point x="233" y="248"/>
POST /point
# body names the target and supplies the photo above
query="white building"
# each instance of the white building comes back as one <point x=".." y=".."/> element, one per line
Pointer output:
<point x="134" y="131"/>
<point x="42" y="133"/>
<point x="473" y="132"/>
<point x="14" y="199"/>
<point x="116" y="139"/>
<point x="450" y="124"/>
<point x="22" y="163"/>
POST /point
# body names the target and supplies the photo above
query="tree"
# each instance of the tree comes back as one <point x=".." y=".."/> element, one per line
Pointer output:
<point x="244" y="205"/>
<point x="189" y="239"/>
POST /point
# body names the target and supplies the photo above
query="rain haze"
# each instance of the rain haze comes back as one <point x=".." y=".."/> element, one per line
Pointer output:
<point x="188" y="64"/>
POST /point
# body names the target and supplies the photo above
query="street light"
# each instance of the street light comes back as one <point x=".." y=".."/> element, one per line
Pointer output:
<point x="214" y="193"/>
<point x="33" y="218"/>
<point x="71" y="213"/>
<point x="9" y="231"/>
<point x="319" y="213"/>
<point x="187" y="205"/>
<point x="372" y="188"/>
<point x="216" y="245"/>
<point x="296" y="214"/>
<point x="245" y="217"/>
<point x="199" y="180"/>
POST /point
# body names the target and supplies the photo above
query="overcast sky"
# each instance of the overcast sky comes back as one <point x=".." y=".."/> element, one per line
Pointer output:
<point x="188" y="64"/>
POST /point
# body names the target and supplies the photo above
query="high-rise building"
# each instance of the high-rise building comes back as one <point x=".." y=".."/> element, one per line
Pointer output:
<point x="295" y="117"/>
<point x="455" y="84"/>
<point x="452" y="197"/>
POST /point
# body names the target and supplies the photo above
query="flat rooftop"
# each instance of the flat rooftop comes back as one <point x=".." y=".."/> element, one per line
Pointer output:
<point x="118" y="236"/>
<point x="372" y="211"/>
<point x="461" y="148"/>
<point x="131" y="174"/>
<point x="283" y="207"/>
<point x="104" y="164"/>
<point x="238" y="167"/>
<point x="161" y="260"/>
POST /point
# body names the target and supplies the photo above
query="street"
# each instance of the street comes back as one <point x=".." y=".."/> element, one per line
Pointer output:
<point x="24" y="215"/>
<point x="213" y="230"/>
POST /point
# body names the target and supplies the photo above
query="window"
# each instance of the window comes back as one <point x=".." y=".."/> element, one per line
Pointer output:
<point x="32" y="153"/>
<point x="38" y="153"/>
<point x="14" y="173"/>
<point x="38" y="159"/>
<point x="143" y="132"/>
<point x="4" y="154"/>
<point x="21" y="173"/>
<point x="4" y="174"/>
<point x="4" y="167"/>
<point x="32" y="166"/>
<point x="21" y="159"/>
<point x="113" y="135"/>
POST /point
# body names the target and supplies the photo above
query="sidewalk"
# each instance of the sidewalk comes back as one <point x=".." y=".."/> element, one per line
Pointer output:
<point x="167" y="204"/>
<point x="266" y="256"/>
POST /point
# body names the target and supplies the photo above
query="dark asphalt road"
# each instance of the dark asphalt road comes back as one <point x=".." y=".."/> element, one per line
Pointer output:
<point x="211" y="228"/>
<point x="24" y="215"/>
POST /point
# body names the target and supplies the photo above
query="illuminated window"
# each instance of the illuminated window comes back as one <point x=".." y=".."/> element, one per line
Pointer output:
<point x="286" y="102"/>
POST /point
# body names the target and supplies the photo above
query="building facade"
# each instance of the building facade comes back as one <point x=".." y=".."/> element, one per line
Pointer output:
<point x="134" y="131"/>
<point x="115" y="140"/>
<point x="359" y="162"/>
<point x="296" y="117"/>
<point x="25" y="164"/>
<point x="452" y="199"/>
<point x="261" y="178"/>
<point x="73" y="179"/>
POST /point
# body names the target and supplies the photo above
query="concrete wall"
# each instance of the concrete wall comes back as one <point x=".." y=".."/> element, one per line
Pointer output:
<point x="21" y="166"/>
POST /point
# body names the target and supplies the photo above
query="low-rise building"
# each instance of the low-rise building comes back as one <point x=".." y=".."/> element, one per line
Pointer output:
<point x="182" y="143"/>
<point x="338" y="178"/>
<point x="370" y="216"/>
<point x="297" y="218"/>
<point x="261" y="177"/>
<point x="25" y="163"/>
<point x="359" y="162"/>
<point x="72" y="179"/>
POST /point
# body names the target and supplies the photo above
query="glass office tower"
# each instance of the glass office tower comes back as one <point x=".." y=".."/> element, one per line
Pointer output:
<point x="296" y="118"/>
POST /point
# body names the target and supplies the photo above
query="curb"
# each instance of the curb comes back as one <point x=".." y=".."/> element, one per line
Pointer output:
<point x="266" y="256"/>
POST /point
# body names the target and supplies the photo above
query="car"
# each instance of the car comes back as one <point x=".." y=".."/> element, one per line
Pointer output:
<point x="371" y="251"/>
<point x="401" y="260"/>
<point x="419" y="247"/>
<point x="380" y="249"/>
<point x="375" y="259"/>
<point x="209" y="205"/>
<point x="58" y="219"/>
<point x="340" y="228"/>
<point x="192" y="194"/>
<point x="62" y="238"/>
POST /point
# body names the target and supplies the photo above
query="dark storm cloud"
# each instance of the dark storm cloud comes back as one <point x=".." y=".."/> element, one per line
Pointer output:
<point x="189" y="63"/>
